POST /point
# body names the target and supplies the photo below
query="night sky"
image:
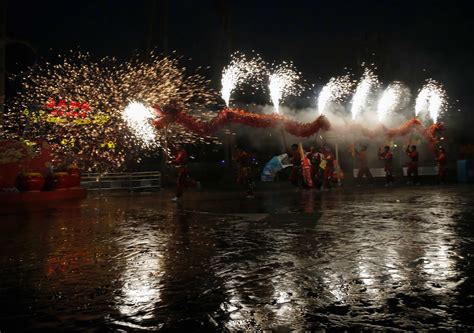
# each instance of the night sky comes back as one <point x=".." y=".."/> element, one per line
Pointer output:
<point x="408" y="40"/>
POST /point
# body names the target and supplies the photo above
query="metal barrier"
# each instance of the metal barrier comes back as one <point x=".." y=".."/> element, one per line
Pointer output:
<point x="118" y="181"/>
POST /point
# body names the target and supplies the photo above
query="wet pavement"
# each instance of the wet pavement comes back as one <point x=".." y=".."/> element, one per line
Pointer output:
<point x="373" y="259"/>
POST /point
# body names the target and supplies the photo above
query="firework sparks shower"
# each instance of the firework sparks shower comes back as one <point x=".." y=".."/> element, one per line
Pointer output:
<point x="391" y="99"/>
<point x="239" y="71"/>
<point x="431" y="99"/>
<point x="361" y="96"/>
<point x="138" y="118"/>
<point x="334" y="91"/>
<point x="284" y="81"/>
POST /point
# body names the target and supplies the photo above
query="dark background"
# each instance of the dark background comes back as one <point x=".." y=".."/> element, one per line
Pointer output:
<point x="408" y="40"/>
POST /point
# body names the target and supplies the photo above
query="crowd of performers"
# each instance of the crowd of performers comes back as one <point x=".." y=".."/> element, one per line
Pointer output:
<point x="313" y="169"/>
<point x="316" y="168"/>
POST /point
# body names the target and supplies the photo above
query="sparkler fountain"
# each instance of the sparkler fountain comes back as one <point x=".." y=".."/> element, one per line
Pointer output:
<point x="334" y="91"/>
<point x="239" y="71"/>
<point x="390" y="100"/>
<point x="432" y="99"/>
<point x="422" y="101"/>
<point x="361" y="96"/>
<point x="284" y="81"/>
<point x="437" y="102"/>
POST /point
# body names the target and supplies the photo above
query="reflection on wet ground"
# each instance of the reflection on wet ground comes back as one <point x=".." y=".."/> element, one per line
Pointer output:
<point x="287" y="260"/>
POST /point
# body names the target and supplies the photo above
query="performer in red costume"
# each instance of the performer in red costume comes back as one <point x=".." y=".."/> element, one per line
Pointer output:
<point x="363" y="163"/>
<point x="329" y="168"/>
<point x="306" y="170"/>
<point x="412" y="170"/>
<point x="244" y="175"/>
<point x="183" y="180"/>
<point x="442" y="165"/>
<point x="387" y="157"/>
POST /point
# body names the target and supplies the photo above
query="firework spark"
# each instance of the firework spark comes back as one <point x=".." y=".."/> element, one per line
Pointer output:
<point x="138" y="118"/>
<point x="392" y="98"/>
<point x="239" y="71"/>
<point x="361" y="96"/>
<point x="422" y="101"/>
<point x="283" y="82"/>
<point x="435" y="106"/>
<point x="431" y="98"/>
<point x="334" y="91"/>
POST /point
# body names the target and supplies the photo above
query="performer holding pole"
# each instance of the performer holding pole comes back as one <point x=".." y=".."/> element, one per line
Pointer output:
<point x="182" y="181"/>
<point x="387" y="156"/>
